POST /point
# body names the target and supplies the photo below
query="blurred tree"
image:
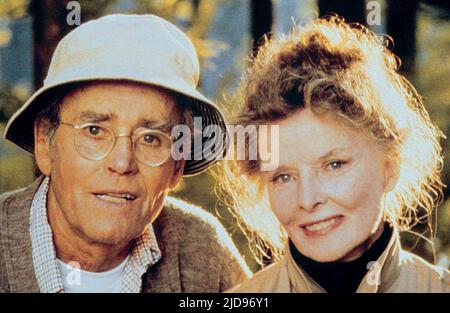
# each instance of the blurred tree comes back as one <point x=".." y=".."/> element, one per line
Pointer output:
<point x="401" y="26"/>
<point x="13" y="9"/>
<point x="11" y="98"/>
<point x="193" y="16"/>
<point x="49" y="26"/>
<point x="422" y="40"/>
<point x="16" y="166"/>
<point x="353" y="11"/>
<point x="433" y="65"/>
<point x="443" y="4"/>
<point x="261" y="22"/>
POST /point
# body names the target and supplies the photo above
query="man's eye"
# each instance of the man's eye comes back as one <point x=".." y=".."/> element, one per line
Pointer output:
<point x="94" y="130"/>
<point x="150" y="139"/>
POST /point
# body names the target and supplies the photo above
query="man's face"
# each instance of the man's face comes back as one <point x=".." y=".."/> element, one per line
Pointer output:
<point x="89" y="196"/>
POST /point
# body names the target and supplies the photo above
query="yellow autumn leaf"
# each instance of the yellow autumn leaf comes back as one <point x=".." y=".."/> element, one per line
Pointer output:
<point x="5" y="37"/>
<point x="184" y="10"/>
<point x="21" y="92"/>
<point x="13" y="8"/>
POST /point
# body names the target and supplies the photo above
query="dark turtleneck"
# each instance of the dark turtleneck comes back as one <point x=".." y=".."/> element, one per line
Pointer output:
<point x="342" y="277"/>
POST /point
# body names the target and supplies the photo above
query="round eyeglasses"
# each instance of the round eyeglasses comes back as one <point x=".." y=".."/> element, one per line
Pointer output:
<point x="94" y="142"/>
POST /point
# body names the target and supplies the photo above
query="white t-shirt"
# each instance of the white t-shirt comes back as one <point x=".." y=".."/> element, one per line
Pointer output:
<point x="76" y="280"/>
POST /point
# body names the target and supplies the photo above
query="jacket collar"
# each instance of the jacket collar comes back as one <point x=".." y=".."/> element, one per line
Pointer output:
<point x="380" y="277"/>
<point x="18" y="242"/>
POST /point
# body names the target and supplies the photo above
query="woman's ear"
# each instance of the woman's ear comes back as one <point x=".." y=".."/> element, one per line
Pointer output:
<point x="178" y="173"/>
<point x="42" y="149"/>
<point x="392" y="175"/>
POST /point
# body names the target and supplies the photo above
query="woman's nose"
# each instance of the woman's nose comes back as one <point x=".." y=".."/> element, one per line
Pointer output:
<point x="310" y="193"/>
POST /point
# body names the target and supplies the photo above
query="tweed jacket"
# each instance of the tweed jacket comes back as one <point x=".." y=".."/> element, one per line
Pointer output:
<point x="197" y="253"/>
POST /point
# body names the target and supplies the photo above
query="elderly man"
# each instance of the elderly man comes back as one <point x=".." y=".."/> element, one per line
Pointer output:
<point x="98" y="220"/>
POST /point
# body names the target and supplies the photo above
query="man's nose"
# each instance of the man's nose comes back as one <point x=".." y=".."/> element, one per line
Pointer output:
<point x="310" y="195"/>
<point x="121" y="159"/>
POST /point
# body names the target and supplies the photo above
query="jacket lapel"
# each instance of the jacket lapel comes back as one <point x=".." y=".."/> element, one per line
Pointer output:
<point x="300" y="281"/>
<point x="17" y="241"/>
<point x="164" y="276"/>
<point x="379" y="278"/>
<point x="385" y="270"/>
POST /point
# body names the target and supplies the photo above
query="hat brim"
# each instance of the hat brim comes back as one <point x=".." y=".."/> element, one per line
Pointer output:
<point x="20" y="127"/>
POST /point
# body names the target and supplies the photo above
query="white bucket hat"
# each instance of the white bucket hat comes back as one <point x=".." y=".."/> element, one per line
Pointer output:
<point x="140" y="48"/>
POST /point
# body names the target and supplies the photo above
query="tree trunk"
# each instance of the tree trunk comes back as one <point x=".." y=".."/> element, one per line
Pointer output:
<point x="401" y="26"/>
<point x="353" y="11"/>
<point x="261" y="21"/>
<point x="49" y="26"/>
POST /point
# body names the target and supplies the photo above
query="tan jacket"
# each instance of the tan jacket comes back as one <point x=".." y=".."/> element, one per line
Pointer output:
<point x="395" y="271"/>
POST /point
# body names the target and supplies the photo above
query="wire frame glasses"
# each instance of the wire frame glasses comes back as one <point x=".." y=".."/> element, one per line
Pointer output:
<point x="95" y="142"/>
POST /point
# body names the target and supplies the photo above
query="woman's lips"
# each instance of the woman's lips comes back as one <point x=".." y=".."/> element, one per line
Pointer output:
<point x="322" y="227"/>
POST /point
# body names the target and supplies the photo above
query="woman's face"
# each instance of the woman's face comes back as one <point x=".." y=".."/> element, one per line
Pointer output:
<point x="328" y="186"/>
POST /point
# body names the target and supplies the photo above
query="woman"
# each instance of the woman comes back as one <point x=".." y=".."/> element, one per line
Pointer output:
<point x="358" y="157"/>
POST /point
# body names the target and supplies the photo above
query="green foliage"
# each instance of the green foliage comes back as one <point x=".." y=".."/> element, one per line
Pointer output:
<point x="433" y="72"/>
<point x="16" y="168"/>
<point x="11" y="98"/>
<point x="16" y="171"/>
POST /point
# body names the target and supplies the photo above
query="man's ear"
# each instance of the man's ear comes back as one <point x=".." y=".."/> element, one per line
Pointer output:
<point x="178" y="173"/>
<point x="42" y="149"/>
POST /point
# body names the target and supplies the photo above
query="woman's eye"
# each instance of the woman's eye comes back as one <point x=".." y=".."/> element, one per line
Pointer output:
<point x="336" y="165"/>
<point x="282" y="178"/>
